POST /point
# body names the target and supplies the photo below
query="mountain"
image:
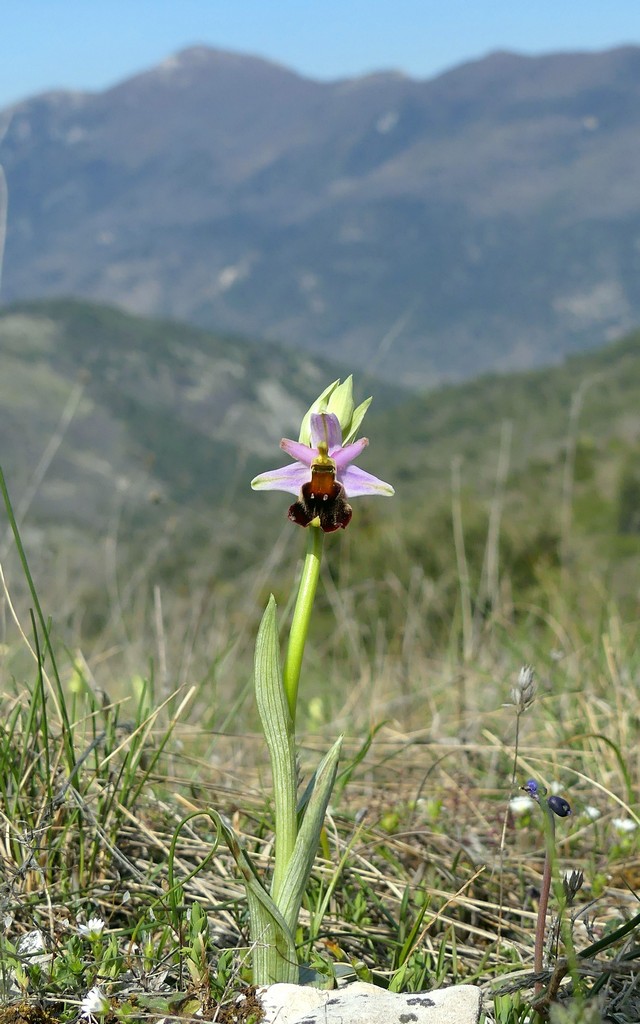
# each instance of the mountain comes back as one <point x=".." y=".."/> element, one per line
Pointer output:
<point x="485" y="219"/>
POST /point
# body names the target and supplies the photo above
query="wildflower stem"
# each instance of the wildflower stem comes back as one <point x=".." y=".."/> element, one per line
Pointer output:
<point x="545" y="888"/>
<point x="302" y="616"/>
<point x="505" y="821"/>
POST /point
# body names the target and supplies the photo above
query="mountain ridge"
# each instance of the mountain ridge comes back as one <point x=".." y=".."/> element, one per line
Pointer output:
<point x="485" y="218"/>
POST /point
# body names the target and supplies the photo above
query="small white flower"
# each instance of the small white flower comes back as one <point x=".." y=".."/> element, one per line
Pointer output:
<point x="519" y="805"/>
<point x="92" y="930"/>
<point x="623" y="825"/>
<point x="592" y="813"/>
<point x="94" y="1004"/>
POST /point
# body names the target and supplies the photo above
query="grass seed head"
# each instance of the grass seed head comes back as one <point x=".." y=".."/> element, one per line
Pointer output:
<point x="523" y="693"/>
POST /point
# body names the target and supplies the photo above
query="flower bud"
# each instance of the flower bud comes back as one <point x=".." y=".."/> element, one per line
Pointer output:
<point x="572" y="883"/>
<point x="559" y="806"/>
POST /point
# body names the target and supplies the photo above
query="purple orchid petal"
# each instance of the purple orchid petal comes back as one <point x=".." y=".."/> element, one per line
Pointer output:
<point x="289" y="478"/>
<point x="325" y="426"/>
<point x="299" y="451"/>
<point x="343" y="456"/>
<point x="357" y="482"/>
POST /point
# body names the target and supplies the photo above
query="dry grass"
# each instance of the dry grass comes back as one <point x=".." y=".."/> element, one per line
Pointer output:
<point x="424" y="876"/>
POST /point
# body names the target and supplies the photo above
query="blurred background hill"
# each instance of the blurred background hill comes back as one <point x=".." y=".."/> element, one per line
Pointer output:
<point x="129" y="444"/>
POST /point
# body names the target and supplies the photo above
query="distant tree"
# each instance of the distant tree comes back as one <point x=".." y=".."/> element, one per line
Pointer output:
<point x="629" y="498"/>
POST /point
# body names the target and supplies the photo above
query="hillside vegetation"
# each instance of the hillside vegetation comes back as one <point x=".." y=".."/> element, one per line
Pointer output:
<point x="524" y="478"/>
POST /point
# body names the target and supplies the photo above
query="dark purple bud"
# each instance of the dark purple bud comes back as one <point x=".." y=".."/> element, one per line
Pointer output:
<point x="559" y="806"/>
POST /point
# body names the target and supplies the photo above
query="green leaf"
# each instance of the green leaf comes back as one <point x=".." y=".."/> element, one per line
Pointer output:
<point x="274" y="955"/>
<point x="277" y="724"/>
<point x="306" y="845"/>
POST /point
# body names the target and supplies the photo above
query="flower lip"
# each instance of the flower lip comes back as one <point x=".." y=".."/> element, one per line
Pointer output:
<point x="322" y="498"/>
<point x="623" y="825"/>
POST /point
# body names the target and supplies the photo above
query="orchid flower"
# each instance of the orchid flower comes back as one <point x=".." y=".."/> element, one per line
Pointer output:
<point x="322" y="476"/>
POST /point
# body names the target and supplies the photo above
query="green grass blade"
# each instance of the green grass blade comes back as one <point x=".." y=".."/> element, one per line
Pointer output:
<point x="66" y="727"/>
<point x="274" y="952"/>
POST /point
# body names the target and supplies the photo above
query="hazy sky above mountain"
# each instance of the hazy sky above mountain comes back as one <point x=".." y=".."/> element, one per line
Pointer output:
<point x="80" y="44"/>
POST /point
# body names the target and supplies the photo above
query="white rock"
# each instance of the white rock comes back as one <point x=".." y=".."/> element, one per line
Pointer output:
<point x="361" y="1003"/>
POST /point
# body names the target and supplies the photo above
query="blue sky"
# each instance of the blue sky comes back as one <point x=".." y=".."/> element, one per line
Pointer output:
<point x="90" y="44"/>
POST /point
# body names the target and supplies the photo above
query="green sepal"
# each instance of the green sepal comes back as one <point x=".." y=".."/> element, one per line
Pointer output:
<point x="356" y="420"/>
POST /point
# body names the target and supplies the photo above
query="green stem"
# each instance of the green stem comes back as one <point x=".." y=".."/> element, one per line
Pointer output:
<point x="543" y="905"/>
<point x="302" y="616"/>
